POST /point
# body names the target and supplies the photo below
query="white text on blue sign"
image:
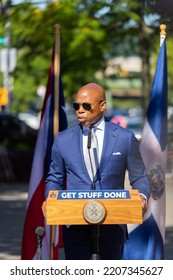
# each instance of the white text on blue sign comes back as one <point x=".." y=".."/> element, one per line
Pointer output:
<point x="109" y="194"/>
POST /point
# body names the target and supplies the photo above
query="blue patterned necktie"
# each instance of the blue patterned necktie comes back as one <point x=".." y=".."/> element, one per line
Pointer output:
<point x="91" y="154"/>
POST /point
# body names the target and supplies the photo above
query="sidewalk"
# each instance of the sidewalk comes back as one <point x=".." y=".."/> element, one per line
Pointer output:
<point x="12" y="208"/>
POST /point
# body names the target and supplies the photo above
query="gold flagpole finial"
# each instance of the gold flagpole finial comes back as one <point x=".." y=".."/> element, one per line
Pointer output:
<point x="163" y="29"/>
<point x="162" y="33"/>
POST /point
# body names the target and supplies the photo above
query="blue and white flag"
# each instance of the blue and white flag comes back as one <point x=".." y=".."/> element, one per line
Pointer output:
<point x="146" y="241"/>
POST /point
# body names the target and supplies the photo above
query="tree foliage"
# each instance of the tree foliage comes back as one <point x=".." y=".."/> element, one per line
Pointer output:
<point x="91" y="32"/>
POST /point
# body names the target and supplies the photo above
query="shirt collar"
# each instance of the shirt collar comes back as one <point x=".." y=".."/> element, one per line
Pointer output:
<point x="100" y="125"/>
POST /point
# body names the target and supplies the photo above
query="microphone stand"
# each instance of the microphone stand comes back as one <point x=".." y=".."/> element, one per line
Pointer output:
<point x="39" y="232"/>
<point x="95" y="230"/>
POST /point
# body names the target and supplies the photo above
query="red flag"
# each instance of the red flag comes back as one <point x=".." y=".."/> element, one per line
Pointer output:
<point x="40" y="167"/>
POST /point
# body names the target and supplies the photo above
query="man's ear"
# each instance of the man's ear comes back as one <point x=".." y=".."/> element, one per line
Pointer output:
<point x="103" y="108"/>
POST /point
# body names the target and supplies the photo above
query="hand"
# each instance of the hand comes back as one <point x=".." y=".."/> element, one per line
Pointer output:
<point x="144" y="205"/>
<point x="43" y="207"/>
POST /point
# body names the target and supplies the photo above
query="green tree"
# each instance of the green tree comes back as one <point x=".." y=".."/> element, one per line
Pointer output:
<point x="91" y="33"/>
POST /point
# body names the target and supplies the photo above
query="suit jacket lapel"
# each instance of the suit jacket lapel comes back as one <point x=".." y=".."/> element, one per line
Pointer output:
<point x="78" y="148"/>
<point x="109" y="143"/>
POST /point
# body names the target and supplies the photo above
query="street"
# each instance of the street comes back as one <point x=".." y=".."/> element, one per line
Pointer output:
<point x="13" y="200"/>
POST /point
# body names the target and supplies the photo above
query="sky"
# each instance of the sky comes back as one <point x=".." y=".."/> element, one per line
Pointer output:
<point x="42" y="3"/>
<point x="20" y="1"/>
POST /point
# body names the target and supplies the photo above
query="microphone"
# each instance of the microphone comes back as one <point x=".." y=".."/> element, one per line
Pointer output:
<point x="89" y="138"/>
<point x="95" y="233"/>
<point x="39" y="232"/>
<point x="93" y="186"/>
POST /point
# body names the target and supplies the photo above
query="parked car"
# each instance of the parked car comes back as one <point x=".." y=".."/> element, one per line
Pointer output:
<point x="131" y="119"/>
<point x="17" y="144"/>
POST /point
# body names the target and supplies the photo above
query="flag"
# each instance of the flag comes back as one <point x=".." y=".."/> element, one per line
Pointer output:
<point x="40" y="168"/>
<point x="146" y="241"/>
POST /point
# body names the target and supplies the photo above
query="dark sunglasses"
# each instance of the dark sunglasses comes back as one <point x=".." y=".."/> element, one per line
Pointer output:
<point x="85" y="105"/>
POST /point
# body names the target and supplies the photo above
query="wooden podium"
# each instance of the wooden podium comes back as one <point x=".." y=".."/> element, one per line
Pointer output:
<point x="93" y="207"/>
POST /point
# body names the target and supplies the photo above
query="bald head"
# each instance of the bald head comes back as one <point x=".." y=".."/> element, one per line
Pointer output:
<point x="92" y="90"/>
<point x="91" y="104"/>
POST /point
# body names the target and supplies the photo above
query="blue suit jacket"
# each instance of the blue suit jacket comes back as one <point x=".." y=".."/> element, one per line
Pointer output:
<point x="120" y="153"/>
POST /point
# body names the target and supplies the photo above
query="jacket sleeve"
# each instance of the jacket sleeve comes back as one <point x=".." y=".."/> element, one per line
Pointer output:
<point x="138" y="176"/>
<point x="56" y="175"/>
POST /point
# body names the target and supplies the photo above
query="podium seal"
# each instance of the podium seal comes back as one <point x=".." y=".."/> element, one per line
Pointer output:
<point x="94" y="212"/>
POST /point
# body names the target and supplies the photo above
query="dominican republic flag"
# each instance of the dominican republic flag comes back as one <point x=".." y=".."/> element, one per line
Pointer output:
<point x="40" y="167"/>
<point x="146" y="241"/>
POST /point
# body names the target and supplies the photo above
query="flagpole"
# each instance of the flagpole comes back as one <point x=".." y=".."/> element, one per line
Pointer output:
<point x="162" y="33"/>
<point x="56" y="77"/>
<point x="56" y="113"/>
<point x="162" y="38"/>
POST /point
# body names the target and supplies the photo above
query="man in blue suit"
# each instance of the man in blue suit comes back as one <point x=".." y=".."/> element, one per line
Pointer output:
<point x="118" y="151"/>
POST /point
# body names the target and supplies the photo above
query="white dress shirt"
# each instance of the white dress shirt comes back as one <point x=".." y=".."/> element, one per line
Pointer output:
<point x="99" y="132"/>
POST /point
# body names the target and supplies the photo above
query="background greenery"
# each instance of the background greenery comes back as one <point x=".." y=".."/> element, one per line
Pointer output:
<point x="92" y="32"/>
